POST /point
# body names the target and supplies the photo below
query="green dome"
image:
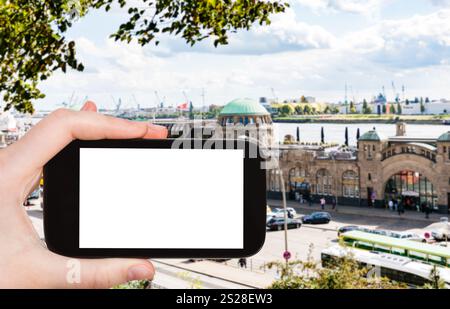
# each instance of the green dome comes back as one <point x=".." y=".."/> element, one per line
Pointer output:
<point x="444" y="137"/>
<point x="244" y="107"/>
<point x="372" y="135"/>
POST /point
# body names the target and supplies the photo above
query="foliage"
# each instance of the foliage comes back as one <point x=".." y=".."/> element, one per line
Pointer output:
<point x="213" y="112"/>
<point x="307" y="110"/>
<point x="422" y="107"/>
<point x="343" y="273"/>
<point x="299" y="110"/>
<point x="436" y="281"/>
<point x="32" y="46"/>
<point x="399" y="109"/>
<point x="194" y="20"/>
<point x="366" y="108"/>
<point x="287" y="110"/>
<point x="352" y="108"/>
<point x="33" y="43"/>
<point x="136" y="285"/>
<point x="392" y="109"/>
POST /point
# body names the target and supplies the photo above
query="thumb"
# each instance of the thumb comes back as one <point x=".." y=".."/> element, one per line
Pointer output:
<point x="106" y="273"/>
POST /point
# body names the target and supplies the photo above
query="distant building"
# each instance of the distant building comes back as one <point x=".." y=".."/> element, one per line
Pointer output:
<point x="245" y="117"/>
<point x="310" y="99"/>
<point x="410" y="170"/>
<point x="240" y="117"/>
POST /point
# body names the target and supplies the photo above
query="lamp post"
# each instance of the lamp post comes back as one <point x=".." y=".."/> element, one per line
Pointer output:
<point x="286" y="254"/>
<point x="335" y="178"/>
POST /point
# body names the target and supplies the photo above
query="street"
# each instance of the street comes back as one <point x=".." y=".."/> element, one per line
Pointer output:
<point x="180" y="273"/>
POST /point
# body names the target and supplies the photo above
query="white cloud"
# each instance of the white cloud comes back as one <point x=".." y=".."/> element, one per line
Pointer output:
<point x="365" y="7"/>
<point x="441" y="3"/>
<point x="285" y="33"/>
<point x="417" y="41"/>
<point x="291" y="56"/>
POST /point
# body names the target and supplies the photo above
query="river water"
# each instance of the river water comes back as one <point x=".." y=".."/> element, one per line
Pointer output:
<point x="310" y="132"/>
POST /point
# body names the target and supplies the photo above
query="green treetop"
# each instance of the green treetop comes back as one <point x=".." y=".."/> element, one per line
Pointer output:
<point x="33" y="43"/>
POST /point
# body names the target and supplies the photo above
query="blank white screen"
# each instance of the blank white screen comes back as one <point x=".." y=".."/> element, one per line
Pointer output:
<point x="161" y="198"/>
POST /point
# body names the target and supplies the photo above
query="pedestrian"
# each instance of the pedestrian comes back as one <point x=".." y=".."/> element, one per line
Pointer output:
<point x="422" y="207"/>
<point x="400" y="208"/>
<point x="322" y="203"/>
<point x="427" y="211"/>
<point x="290" y="215"/>
<point x="333" y="203"/>
<point x="391" y="205"/>
<point x="242" y="262"/>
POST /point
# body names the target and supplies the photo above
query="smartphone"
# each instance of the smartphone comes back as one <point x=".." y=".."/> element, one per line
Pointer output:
<point x="155" y="199"/>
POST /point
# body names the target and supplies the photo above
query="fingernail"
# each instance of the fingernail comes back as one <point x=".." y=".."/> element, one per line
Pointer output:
<point x="139" y="272"/>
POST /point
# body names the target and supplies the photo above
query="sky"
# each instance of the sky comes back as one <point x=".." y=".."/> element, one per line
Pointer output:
<point x="315" y="48"/>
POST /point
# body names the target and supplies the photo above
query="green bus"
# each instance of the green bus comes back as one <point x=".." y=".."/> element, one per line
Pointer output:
<point x="424" y="252"/>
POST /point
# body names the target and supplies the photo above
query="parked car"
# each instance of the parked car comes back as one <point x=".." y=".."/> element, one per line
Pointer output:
<point x="269" y="217"/>
<point x="407" y="235"/>
<point x="440" y="234"/>
<point x="347" y="228"/>
<point x="277" y="224"/>
<point x="279" y="212"/>
<point x="442" y="230"/>
<point x="317" y="218"/>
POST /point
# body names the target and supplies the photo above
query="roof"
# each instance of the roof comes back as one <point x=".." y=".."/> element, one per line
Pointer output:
<point x="408" y="139"/>
<point x="244" y="107"/>
<point x="444" y="137"/>
<point x="371" y="135"/>
<point x="400" y="243"/>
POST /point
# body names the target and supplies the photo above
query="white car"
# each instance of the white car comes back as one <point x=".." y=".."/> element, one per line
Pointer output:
<point x="279" y="212"/>
<point x="407" y="235"/>
<point x="440" y="234"/>
<point x="270" y="216"/>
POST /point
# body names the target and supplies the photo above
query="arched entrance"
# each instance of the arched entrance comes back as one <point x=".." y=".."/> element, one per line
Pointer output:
<point x="412" y="189"/>
<point x="298" y="186"/>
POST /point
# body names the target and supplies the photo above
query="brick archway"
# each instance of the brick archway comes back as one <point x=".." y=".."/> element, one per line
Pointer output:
<point x="399" y="163"/>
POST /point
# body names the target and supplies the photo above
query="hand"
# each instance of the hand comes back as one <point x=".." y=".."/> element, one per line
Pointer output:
<point x="24" y="261"/>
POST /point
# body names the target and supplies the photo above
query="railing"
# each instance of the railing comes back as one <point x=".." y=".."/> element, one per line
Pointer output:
<point x="252" y="265"/>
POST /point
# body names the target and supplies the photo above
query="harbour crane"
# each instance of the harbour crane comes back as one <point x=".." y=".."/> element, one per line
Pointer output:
<point x="159" y="102"/>
<point x="274" y="95"/>
<point x="117" y="104"/>
<point x="186" y="97"/>
<point x="135" y="101"/>
<point x="396" y="94"/>
<point x="203" y="97"/>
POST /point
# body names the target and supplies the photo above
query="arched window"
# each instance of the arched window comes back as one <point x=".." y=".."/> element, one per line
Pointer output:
<point x="296" y="177"/>
<point x="274" y="180"/>
<point x="324" y="181"/>
<point x="350" y="184"/>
